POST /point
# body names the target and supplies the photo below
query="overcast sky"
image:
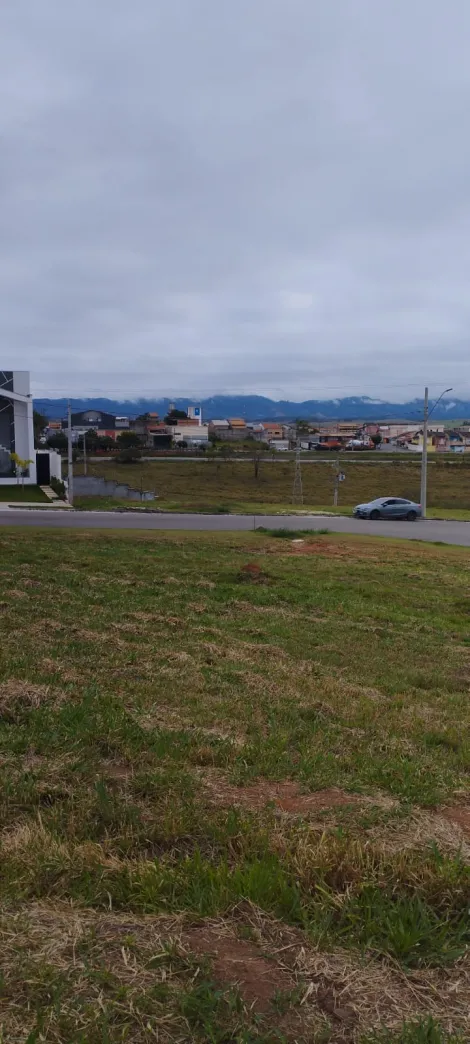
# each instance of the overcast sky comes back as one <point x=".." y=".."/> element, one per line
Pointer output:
<point x="267" y="196"/>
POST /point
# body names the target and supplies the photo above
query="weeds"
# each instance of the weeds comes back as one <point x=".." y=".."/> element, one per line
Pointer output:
<point x="143" y="688"/>
<point x="423" y="1032"/>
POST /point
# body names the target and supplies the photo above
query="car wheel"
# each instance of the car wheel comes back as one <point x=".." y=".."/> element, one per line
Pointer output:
<point x="374" y="515"/>
<point x="411" y="516"/>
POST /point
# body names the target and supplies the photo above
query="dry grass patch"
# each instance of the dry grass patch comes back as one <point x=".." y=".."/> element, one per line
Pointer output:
<point x="18" y="697"/>
<point x="422" y="829"/>
<point x="142" y="971"/>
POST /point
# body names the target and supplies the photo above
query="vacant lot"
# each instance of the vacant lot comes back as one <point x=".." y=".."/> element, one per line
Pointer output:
<point x="197" y="485"/>
<point x="234" y="789"/>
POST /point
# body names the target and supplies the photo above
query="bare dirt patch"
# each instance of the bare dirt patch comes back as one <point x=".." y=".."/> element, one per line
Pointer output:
<point x="286" y="796"/>
<point x="459" y="814"/>
<point x="240" y="963"/>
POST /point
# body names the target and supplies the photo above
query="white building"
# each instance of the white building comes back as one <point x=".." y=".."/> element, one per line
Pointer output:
<point x="16" y="426"/>
<point x="195" y="414"/>
<point x="192" y="434"/>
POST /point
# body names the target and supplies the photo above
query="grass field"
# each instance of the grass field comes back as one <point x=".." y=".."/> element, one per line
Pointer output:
<point x="234" y="792"/>
<point x="17" y="492"/>
<point x="232" y="486"/>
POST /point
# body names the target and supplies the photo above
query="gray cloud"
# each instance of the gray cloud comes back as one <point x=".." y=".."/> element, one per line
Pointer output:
<point x="202" y="196"/>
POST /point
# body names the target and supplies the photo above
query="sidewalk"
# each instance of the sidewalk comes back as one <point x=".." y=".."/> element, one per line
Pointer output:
<point x="29" y="505"/>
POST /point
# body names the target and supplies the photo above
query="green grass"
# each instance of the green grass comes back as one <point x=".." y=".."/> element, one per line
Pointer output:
<point x="17" y="492"/>
<point x="423" y="1032"/>
<point x="155" y="692"/>
<point x="232" y="486"/>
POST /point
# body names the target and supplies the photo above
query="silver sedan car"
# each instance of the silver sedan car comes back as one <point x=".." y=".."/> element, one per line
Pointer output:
<point x="389" y="507"/>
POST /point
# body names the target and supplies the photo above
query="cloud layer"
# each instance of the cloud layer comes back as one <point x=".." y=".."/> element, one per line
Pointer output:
<point x="202" y="197"/>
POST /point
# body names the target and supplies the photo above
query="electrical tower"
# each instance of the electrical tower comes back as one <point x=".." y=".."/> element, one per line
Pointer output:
<point x="297" y="491"/>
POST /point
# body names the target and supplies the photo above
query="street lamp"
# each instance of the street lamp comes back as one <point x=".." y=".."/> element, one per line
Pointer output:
<point x="424" y="456"/>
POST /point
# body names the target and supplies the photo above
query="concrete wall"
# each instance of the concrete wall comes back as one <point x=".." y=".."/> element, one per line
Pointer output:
<point x="55" y="462"/>
<point x="94" y="486"/>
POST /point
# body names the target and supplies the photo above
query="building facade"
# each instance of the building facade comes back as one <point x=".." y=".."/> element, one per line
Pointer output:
<point x="16" y="426"/>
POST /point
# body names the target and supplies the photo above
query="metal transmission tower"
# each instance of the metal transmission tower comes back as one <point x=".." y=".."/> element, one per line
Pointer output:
<point x="297" y="491"/>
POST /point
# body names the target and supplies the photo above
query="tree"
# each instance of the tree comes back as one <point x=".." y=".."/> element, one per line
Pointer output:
<point x="106" y="443"/>
<point x="376" y="439"/>
<point x="302" y="425"/>
<point x="128" y="440"/>
<point x="21" y="466"/>
<point x="175" y="416"/>
<point x="58" y="441"/>
<point x="130" y="455"/>
<point x="39" y="424"/>
<point x="257" y="454"/>
<point x="92" y="440"/>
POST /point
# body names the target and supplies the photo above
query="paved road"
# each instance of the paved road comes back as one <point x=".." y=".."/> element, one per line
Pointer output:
<point x="449" y="532"/>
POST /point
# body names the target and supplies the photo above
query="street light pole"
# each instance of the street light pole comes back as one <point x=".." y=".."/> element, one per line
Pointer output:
<point x="84" y="452"/>
<point x="424" y="457"/>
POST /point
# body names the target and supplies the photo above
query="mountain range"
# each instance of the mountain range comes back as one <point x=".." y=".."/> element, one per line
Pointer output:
<point x="258" y="408"/>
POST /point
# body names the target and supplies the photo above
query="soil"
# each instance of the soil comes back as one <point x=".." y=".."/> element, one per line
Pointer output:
<point x="459" y="814"/>
<point x="240" y="963"/>
<point x="286" y="796"/>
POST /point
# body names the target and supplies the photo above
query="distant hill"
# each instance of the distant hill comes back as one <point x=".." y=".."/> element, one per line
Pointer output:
<point x="256" y="407"/>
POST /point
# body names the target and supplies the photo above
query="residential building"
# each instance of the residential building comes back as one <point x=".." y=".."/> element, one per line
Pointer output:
<point x="159" y="436"/>
<point x="281" y="445"/>
<point x="255" y="431"/>
<point x="273" y="430"/>
<point x="95" y="420"/>
<point x="232" y="429"/>
<point x="16" y="426"/>
<point x="189" y="432"/>
<point x="220" y="429"/>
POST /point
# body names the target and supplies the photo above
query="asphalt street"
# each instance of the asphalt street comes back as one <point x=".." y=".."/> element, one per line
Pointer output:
<point x="448" y="532"/>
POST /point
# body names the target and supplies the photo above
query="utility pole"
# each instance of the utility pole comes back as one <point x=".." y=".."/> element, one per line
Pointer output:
<point x="424" y="456"/>
<point x="297" y="489"/>
<point x="84" y="452"/>
<point x="335" y="493"/>
<point x="69" y="453"/>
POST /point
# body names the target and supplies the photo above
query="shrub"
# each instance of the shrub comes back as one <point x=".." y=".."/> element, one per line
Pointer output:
<point x="131" y="455"/>
<point x="58" y="486"/>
